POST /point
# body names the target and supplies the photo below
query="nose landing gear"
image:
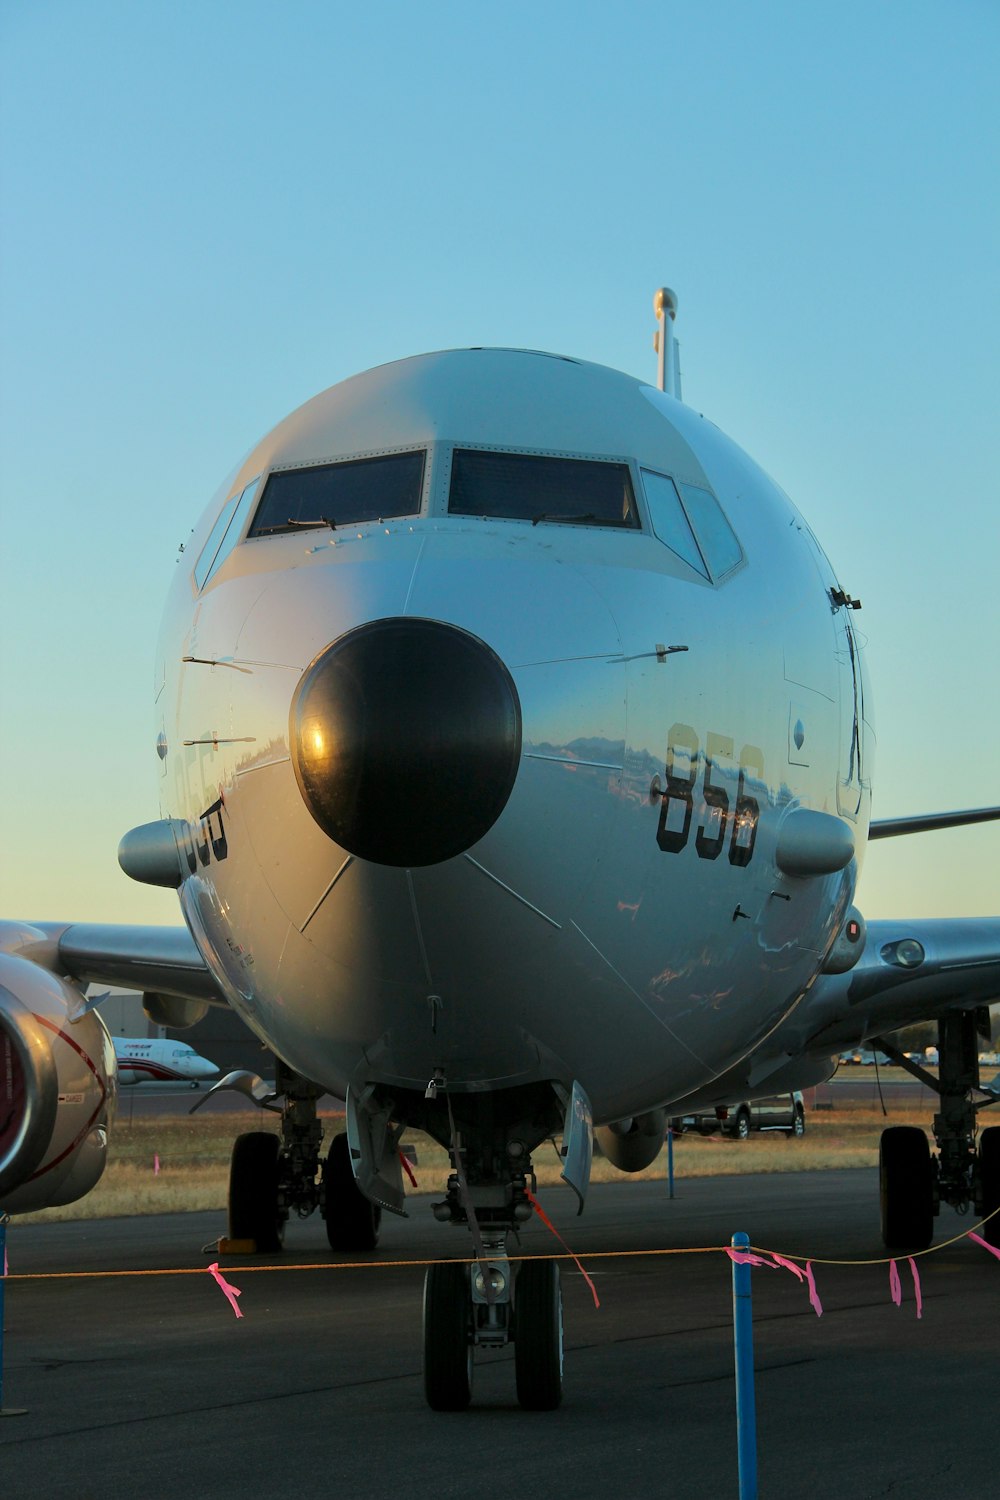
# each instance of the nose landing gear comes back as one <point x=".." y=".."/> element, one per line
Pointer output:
<point x="490" y="1303"/>
<point x="467" y="1305"/>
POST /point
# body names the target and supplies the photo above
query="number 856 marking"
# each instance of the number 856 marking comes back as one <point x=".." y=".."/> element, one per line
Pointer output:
<point x="680" y="788"/>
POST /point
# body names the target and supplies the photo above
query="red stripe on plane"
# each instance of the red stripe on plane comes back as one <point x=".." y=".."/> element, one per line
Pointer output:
<point x="44" y="1021"/>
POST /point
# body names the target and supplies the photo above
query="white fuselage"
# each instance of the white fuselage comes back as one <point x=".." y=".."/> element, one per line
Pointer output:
<point x="570" y="942"/>
<point x="160" y="1060"/>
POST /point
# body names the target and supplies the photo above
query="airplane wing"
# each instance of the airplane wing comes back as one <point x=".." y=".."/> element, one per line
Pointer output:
<point x="156" y="960"/>
<point x="890" y="828"/>
<point x="910" y="971"/>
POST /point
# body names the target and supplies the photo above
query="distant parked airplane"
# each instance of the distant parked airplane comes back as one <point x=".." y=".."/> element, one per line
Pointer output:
<point x="141" y="1060"/>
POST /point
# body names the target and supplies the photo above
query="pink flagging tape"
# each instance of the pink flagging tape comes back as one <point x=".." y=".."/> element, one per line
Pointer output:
<point x="985" y="1243"/>
<point x="408" y="1169"/>
<point x="156" y="1165"/>
<point x="895" y="1288"/>
<point x="231" y="1292"/>
<point x="813" y="1294"/>
<point x="789" y="1265"/>
<point x="744" y="1258"/>
<point x="780" y="1262"/>
<point x="539" y="1210"/>
<point x="916" y="1286"/>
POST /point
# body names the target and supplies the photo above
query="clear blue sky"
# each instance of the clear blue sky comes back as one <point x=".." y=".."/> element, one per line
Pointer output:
<point x="211" y="211"/>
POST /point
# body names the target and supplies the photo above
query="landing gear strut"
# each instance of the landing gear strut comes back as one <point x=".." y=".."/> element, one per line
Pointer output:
<point x="488" y="1303"/>
<point x="912" y="1183"/>
<point x="272" y="1176"/>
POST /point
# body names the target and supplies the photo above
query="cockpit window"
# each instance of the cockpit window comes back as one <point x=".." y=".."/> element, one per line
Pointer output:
<point x="364" y="489"/>
<point x="715" y="535"/>
<point x="225" y="534"/>
<point x="690" y="520"/>
<point x="669" y="519"/>
<point x="211" y="547"/>
<point x="529" y="487"/>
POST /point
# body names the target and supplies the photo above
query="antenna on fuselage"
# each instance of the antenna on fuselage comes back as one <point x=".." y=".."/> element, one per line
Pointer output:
<point x="667" y="348"/>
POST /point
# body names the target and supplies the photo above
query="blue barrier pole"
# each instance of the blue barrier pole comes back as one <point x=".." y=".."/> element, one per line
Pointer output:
<point x="670" y="1160"/>
<point x="8" y="1411"/>
<point x="746" y="1416"/>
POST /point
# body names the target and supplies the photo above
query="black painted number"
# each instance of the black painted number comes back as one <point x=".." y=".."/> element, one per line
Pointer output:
<point x="747" y="810"/>
<point x="683" y="746"/>
<point x="716" y="797"/>
<point x="678" y="789"/>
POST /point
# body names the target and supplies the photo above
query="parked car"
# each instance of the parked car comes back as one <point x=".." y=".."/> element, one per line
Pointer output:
<point x="784" y="1112"/>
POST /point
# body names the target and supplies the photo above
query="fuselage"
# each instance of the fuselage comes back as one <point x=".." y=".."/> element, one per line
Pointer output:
<point x="623" y="920"/>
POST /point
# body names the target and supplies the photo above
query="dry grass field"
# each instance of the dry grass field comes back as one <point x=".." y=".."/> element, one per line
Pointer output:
<point x="193" y="1157"/>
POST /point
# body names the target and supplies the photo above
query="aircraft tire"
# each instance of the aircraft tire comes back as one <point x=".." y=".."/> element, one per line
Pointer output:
<point x="538" y="1335"/>
<point x="989" y="1177"/>
<point x="741" y="1127"/>
<point x="798" y="1123"/>
<point x="906" y="1188"/>
<point x="447" y="1337"/>
<point x="253" y="1191"/>
<point x="352" y="1222"/>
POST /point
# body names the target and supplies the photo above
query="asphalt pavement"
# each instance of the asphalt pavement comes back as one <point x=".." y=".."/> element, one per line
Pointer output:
<point x="149" y="1385"/>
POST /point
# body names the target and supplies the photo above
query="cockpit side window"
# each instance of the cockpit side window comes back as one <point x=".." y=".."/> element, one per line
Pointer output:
<point x="231" y="534"/>
<point x="533" y="487"/>
<point x="211" y="547"/>
<point x="715" y="535"/>
<point x="691" y="522"/>
<point x="364" y="489"/>
<point x="225" y="534"/>
<point x="670" y="522"/>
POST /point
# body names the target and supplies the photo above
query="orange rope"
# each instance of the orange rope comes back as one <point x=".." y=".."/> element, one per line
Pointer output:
<point x="387" y="1265"/>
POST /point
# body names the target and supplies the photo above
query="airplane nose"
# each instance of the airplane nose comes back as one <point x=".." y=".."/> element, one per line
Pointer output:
<point x="406" y="737"/>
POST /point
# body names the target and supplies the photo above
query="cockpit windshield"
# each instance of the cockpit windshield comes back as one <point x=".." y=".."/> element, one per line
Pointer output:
<point x="530" y="487"/>
<point x="365" y="489"/>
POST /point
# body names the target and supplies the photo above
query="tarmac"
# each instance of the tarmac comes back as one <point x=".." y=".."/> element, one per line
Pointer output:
<point x="149" y="1385"/>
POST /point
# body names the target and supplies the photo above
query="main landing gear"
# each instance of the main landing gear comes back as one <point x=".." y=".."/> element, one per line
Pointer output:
<point x="271" y="1176"/>
<point x="912" y="1182"/>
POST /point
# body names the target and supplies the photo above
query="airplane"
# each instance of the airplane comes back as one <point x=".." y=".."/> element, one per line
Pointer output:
<point x="515" y="759"/>
<point x="160" y="1060"/>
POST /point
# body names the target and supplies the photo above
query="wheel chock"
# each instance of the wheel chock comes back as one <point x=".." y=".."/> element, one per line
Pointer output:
<point x="237" y="1247"/>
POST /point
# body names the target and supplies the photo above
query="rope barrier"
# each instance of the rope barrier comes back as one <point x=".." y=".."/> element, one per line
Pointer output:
<point x="388" y="1265"/>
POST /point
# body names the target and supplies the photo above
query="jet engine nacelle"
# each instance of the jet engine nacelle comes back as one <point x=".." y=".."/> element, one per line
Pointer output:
<point x="57" y="1088"/>
<point x="634" y="1143"/>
